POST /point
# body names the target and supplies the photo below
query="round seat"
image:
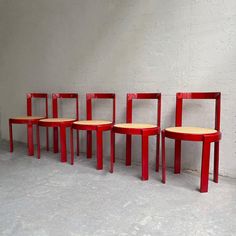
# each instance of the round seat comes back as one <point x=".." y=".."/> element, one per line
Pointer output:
<point x="57" y="120"/>
<point x="191" y="130"/>
<point x="92" y="122"/>
<point x="26" y="119"/>
<point x="192" y="133"/>
<point x="54" y="122"/>
<point x="134" y="126"/>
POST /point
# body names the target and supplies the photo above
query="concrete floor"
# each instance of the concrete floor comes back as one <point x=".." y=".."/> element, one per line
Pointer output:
<point x="46" y="197"/>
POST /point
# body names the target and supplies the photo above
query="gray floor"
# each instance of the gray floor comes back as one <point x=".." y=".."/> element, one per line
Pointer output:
<point x="46" y="197"/>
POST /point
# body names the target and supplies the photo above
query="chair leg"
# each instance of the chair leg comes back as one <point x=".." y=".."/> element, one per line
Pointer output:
<point x="63" y="143"/>
<point x="99" y="150"/>
<point x="72" y="147"/>
<point x="89" y="144"/>
<point x="157" y="152"/>
<point x="177" y="164"/>
<point x="112" y="157"/>
<point x="55" y="140"/>
<point x="47" y="140"/>
<point x="144" y="157"/>
<point x="10" y="136"/>
<point x="77" y="142"/>
<point x="205" y="167"/>
<point x="163" y="156"/>
<point x="30" y="140"/>
<point x="216" y="161"/>
<point x="38" y="140"/>
<point x="128" y="149"/>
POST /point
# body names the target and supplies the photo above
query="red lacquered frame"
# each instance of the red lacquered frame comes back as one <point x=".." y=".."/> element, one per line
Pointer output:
<point x="206" y="139"/>
<point x="98" y="128"/>
<point x="30" y="122"/>
<point x="61" y="125"/>
<point x="146" y="132"/>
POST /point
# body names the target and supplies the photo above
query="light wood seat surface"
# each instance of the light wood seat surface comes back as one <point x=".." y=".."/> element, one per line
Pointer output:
<point x="27" y="118"/>
<point x="57" y="120"/>
<point x="191" y="130"/>
<point x="135" y="126"/>
<point x="92" y="122"/>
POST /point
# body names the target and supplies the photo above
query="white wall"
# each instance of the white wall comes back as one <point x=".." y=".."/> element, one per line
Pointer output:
<point x="123" y="46"/>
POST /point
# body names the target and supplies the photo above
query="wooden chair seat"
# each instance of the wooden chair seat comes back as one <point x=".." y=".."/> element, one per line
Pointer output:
<point x="27" y="118"/>
<point x="135" y="126"/>
<point x="191" y="130"/>
<point x="92" y="122"/>
<point x="57" y="120"/>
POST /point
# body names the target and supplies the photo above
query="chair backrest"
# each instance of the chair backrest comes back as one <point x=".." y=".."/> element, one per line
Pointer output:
<point x="29" y="97"/>
<point x="197" y="95"/>
<point x="131" y="96"/>
<point x="90" y="96"/>
<point x="56" y="96"/>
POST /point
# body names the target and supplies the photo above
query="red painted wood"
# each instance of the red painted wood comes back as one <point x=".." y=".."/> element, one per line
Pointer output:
<point x="89" y="144"/>
<point x="88" y="127"/>
<point x="98" y="128"/>
<point x="55" y="98"/>
<point x="30" y="140"/>
<point x="163" y="156"/>
<point x="128" y="149"/>
<point x="71" y="146"/>
<point x="206" y="139"/>
<point x="216" y="161"/>
<point x="11" y="136"/>
<point x="77" y="143"/>
<point x="29" y="104"/>
<point x="99" y="150"/>
<point x="29" y="123"/>
<point x="144" y="157"/>
<point x="56" y="123"/>
<point x="159" y="110"/>
<point x="55" y="140"/>
<point x="217" y="111"/>
<point x="89" y="117"/>
<point x="55" y="129"/>
<point x="137" y="131"/>
<point x="63" y="144"/>
<point x="30" y="96"/>
<point x="157" y="152"/>
<point x="205" y="167"/>
<point x="177" y="164"/>
<point x="112" y="158"/>
<point x="47" y="139"/>
<point x="61" y="125"/>
<point x="178" y="115"/>
<point x="91" y="96"/>
<point x="198" y="95"/>
<point x="38" y="141"/>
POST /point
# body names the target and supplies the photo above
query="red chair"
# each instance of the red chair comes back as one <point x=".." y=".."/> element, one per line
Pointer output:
<point x="206" y="136"/>
<point x="145" y="130"/>
<point x="61" y="123"/>
<point x="98" y="125"/>
<point x="29" y="120"/>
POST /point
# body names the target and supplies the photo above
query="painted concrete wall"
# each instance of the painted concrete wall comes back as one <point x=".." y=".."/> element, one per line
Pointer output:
<point x="123" y="46"/>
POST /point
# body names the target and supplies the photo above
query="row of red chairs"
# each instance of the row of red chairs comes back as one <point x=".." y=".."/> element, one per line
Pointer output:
<point x="178" y="133"/>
